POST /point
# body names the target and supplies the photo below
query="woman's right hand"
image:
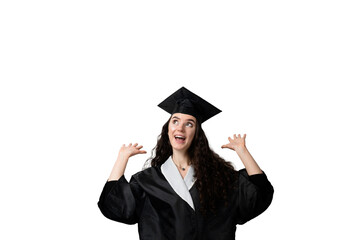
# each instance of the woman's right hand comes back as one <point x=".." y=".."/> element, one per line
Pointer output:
<point x="125" y="153"/>
<point x="131" y="150"/>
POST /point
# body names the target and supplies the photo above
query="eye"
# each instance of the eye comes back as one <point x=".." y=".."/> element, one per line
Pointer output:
<point x="189" y="124"/>
<point x="176" y="122"/>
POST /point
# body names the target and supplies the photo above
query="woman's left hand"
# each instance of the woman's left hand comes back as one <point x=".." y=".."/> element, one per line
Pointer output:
<point x="236" y="142"/>
<point x="238" y="145"/>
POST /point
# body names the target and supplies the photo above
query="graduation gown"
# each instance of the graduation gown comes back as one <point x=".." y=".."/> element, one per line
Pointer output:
<point x="165" y="210"/>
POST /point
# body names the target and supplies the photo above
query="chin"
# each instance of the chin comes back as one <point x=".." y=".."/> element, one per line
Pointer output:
<point x="180" y="148"/>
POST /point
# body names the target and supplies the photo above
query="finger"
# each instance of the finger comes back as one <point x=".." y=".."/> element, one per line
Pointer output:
<point x="230" y="139"/>
<point x="122" y="147"/>
<point x="227" y="146"/>
<point x="140" y="152"/>
<point x="244" y="135"/>
<point x="235" y="136"/>
<point x="135" y="144"/>
<point x="239" y="136"/>
<point x="139" y="147"/>
<point x="130" y="145"/>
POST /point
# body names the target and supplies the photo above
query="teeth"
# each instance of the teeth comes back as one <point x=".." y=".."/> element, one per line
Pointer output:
<point x="181" y="137"/>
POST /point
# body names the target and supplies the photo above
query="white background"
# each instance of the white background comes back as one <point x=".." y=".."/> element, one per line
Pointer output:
<point x="80" y="78"/>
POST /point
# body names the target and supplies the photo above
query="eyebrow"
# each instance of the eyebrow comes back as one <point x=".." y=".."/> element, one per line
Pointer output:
<point x="186" y="119"/>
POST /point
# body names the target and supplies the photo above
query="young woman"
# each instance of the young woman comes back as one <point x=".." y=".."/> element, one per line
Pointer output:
<point x="189" y="192"/>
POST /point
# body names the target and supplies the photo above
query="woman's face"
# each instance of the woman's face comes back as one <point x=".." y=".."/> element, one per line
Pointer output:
<point x="181" y="131"/>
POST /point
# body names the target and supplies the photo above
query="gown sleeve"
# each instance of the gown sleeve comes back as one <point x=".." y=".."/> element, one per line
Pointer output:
<point x="122" y="201"/>
<point x="255" y="195"/>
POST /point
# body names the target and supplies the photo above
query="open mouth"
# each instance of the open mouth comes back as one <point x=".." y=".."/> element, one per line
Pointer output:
<point x="179" y="139"/>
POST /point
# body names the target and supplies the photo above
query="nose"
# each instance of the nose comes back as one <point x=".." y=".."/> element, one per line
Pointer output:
<point x="181" y="127"/>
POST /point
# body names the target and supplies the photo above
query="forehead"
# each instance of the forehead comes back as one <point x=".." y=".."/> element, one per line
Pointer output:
<point x="183" y="116"/>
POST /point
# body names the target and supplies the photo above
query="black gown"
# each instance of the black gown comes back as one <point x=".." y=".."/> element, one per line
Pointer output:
<point x="161" y="214"/>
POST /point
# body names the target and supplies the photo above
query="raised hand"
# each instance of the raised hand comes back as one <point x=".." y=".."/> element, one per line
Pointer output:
<point x="238" y="145"/>
<point x="236" y="142"/>
<point x="131" y="150"/>
<point x="125" y="153"/>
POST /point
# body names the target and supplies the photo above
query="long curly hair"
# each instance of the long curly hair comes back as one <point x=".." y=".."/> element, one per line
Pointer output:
<point x="214" y="176"/>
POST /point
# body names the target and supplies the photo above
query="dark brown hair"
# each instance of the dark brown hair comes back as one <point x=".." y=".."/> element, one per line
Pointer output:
<point x="214" y="175"/>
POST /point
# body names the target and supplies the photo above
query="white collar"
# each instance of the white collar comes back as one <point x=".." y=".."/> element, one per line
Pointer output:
<point x="181" y="186"/>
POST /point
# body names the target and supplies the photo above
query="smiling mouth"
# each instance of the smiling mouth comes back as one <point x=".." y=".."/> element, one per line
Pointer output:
<point x="180" y="139"/>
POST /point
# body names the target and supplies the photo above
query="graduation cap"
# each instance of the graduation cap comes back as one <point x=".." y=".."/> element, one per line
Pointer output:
<point x="184" y="101"/>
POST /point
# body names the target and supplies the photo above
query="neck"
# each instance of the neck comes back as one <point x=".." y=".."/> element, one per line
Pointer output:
<point x="180" y="158"/>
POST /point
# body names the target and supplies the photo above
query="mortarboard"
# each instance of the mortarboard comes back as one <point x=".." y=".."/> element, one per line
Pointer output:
<point x="184" y="101"/>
